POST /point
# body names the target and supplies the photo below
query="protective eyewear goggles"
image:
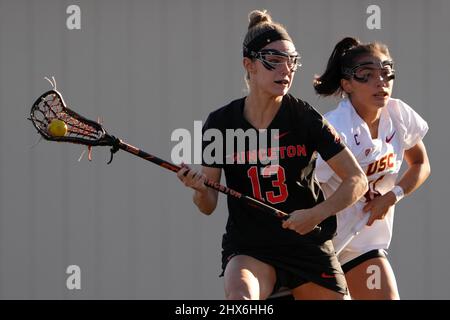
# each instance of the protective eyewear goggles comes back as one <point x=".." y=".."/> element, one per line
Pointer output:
<point x="368" y="71"/>
<point x="272" y="59"/>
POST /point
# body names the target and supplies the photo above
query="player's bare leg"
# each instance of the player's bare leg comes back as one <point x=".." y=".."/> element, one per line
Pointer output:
<point x="373" y="279"/>
<point x="313" y="291"/>
<point x="247" y="278"/>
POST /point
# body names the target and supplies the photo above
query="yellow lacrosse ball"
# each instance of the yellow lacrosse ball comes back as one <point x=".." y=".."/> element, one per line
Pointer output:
<point x="57" y="128"/>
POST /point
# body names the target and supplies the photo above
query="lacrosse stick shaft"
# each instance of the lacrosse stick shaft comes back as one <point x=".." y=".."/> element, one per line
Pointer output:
<point x="355" y="230"/>
<point x="50" y="105"/>
<point x="214" y="185"/>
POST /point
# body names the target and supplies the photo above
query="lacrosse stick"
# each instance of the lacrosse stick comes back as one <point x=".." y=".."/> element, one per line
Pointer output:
<point x="354" y="231"/>
<point x="50" y="106"/>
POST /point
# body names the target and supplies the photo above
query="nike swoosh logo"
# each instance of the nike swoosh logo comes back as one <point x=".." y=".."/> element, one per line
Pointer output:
<point x="388" y="139"/>
<point x="281" y="135"/>
<point x="327" y="276"/>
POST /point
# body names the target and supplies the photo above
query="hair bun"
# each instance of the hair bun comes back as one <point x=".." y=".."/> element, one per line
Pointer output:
<point x="257" y="16"/>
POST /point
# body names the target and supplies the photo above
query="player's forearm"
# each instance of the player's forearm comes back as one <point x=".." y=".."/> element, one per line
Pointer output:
<point x="206" y="201"/>
<point x="349" y="191"/>
<point x="414" y="177"/>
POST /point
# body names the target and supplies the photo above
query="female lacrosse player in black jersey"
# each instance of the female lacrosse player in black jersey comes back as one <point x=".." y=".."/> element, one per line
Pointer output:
<point x="260" y="252"/>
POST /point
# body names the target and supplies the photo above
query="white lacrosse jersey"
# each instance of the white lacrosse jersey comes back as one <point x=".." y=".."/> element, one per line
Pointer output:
<point x="400" y="128"/>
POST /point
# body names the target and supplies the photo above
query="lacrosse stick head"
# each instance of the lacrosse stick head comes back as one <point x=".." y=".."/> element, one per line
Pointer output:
<point x="50" y="106"/>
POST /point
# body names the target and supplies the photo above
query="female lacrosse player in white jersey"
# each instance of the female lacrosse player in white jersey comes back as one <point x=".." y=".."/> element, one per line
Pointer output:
<point x="381" y="132"/>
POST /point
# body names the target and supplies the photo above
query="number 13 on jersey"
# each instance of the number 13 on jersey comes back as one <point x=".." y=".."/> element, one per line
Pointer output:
<point x="277" y="175"/>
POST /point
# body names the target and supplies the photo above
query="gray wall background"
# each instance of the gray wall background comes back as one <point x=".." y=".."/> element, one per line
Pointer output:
<point x="147" y="68"/>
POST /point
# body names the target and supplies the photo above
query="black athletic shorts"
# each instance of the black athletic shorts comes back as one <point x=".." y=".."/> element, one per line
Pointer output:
<point x="297" y="266"/>
<point x="377" y="253"/>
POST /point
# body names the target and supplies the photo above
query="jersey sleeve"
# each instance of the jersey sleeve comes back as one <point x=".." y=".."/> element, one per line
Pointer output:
<point x="212" y="143"/>
<point x="326" y="141"/>
<point x="415" y="127"/>
<point x="323" y="171"/>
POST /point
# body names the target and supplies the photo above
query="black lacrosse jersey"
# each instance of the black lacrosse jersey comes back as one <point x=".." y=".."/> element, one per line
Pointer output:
<point x="286" y="182"/>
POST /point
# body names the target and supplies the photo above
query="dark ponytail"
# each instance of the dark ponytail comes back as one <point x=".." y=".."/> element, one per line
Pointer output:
<point x="329" y="82"/>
